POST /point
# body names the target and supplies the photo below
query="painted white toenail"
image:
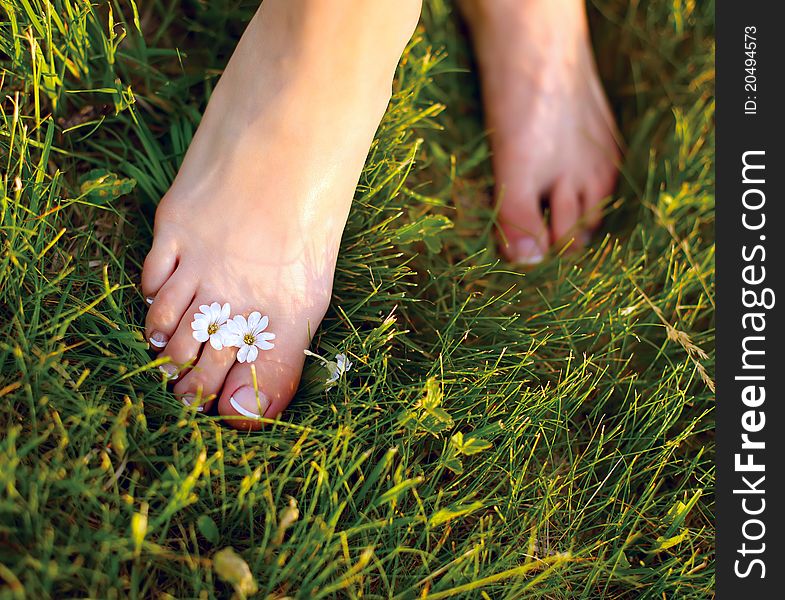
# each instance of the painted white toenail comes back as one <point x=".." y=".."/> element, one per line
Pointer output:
<point x="170" y="371"/>
<point x="246" y="413"/>
<point x="245" y="402"/>
<point x="149" y="300"/>
<point x="188" y="399"/>
<point x="158" y="339"/>
<point x="527" y="251"/>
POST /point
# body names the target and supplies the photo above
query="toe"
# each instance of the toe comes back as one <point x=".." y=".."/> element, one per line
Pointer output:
<point x="524" y="235"/>
<point x="202" y="383"/>
<point x="565" y="214"/>
<point x="595" y="195"/>
<point x="166" y="312"/>
<point x="182" y="348"/>
<point x="276" y="382"/>
<point x="159" y="265"/>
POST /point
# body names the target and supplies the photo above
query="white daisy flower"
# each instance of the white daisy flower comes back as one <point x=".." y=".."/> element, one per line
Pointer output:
<point x="210" y="324"/>
<point x="249" y="336"/>
<point x="338" y="367"/>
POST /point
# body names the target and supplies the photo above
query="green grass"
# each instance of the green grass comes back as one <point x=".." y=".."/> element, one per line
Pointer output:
<point x="501" y="435"/>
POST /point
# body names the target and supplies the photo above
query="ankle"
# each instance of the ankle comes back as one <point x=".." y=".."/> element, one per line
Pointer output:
<point x="521" y="15"/>
<point x="356" y="42"/>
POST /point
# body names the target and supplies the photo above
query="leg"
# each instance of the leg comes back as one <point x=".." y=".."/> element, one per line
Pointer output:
<point x="551" y="129"/>
<point x="255" y="215"/>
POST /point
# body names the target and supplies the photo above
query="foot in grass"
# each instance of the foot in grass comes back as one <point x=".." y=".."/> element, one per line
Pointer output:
<point x="256" y="213"/>
<point x="551" y="128"/>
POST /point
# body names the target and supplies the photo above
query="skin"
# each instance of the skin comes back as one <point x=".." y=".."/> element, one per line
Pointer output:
<point x="551" y="129"/>
<point x="257" y="210"/>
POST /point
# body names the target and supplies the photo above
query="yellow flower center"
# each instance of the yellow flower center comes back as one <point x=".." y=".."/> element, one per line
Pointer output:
<point x="212" y="328"/>
<point x="249" y="339"/>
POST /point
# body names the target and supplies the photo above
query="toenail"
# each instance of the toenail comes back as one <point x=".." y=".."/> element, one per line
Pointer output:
<point x="158" y="339"/>
<point x="149" y="300"/>
<point x="188" y="399"/>
<point x="169" y="370"/>
<point x="245" y="402"/>
<point x="527" y="251"/>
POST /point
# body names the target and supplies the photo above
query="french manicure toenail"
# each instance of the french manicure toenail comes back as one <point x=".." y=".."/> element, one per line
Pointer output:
<point x="188" y="401"/>
<point x="158" y="339"/>
<point x="170" y="371"/>
<point x="528" y="251"/>
<point x="149" y="300"/>
<point x="246" y="403"/>
<point x="246" y="413"/>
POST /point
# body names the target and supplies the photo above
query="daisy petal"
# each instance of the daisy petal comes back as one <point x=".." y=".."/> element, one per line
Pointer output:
<point x="242" y="353"/>
<point x="205" y="308"/>
<point x="225" y="310"/>
<point x="264" y="345"/>
<point x="262" y="325"/>
<point x="216" y="342"/>
<point x="201" y="336"/>
<point x="253" y="352"/>
<point x="197" y="325"/>
<point x="253" y="319"/>
<point x="230" y="339"/>
<point x="265" y="335"/>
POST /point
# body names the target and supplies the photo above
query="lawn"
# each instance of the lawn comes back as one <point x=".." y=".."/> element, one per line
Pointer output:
<point x="501" y="435"/>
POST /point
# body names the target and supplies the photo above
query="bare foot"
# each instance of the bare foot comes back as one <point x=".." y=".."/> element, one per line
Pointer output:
<point x="255" y="216"/>
<point x="551" y="128"/>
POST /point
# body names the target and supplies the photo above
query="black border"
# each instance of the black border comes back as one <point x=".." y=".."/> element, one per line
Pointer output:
<point x="738" y="132"/>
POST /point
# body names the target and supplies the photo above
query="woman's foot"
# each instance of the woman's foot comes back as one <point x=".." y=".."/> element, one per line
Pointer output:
<point x="551" y="128"/>
<point x="255" y="215"/>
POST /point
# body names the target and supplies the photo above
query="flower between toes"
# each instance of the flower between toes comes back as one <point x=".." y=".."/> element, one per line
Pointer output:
<point x="209" y="324"/>
<point x="249" y="336"/>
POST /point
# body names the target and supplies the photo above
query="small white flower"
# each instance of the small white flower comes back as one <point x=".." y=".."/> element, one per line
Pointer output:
<point x="209" y="324"/>
<point x="338" y="368"/>
<point x="249" y="336"/>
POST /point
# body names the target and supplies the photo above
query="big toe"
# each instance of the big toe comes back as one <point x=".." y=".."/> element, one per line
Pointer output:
<point x="263" y="388"/>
